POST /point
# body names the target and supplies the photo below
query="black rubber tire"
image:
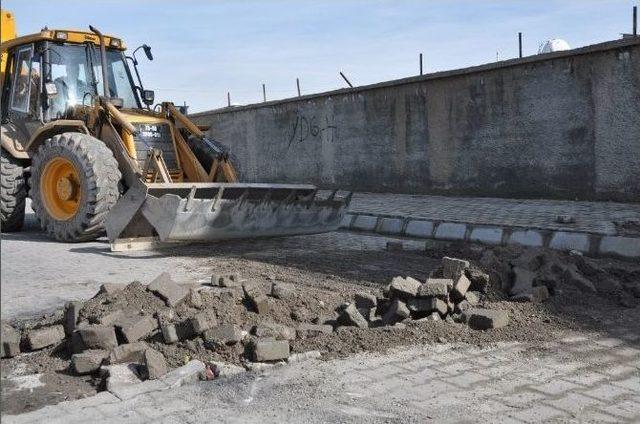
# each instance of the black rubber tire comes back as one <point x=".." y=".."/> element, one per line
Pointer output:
<point x="13" y="193"/>
<point x="99" y="177"/>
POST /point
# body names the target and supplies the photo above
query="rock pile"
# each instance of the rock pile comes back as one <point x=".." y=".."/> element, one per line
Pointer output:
<point x="453" y="292"/>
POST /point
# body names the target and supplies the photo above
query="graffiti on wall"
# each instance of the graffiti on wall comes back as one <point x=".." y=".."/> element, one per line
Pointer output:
<point x="307" y="129"/>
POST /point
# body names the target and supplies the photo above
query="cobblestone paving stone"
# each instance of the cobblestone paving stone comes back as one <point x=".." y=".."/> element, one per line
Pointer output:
<point x="591" y="217"/>
<point x="562" y="381"/>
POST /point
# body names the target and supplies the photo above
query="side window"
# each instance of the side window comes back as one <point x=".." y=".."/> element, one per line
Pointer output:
<point x="22" y="84"/>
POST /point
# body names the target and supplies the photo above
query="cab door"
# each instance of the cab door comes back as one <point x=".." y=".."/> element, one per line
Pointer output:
<point x="24" y="111"/>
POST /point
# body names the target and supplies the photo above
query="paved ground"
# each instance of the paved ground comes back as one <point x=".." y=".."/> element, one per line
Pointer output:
<point x="579" y="378"/>
<point x="39" y="275"/>
<point x="583" y="377"/>
<point x="592" y="217"/>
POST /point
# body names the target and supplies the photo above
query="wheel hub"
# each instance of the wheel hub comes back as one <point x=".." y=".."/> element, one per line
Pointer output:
<point x="60" y="188"/>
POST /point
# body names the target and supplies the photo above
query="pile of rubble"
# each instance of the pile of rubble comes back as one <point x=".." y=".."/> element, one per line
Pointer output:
<point x="130" y="330"/>
<point x="454" y="292"/>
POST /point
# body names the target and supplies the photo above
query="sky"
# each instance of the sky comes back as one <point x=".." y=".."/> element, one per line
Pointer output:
<point x="204" y="49"/>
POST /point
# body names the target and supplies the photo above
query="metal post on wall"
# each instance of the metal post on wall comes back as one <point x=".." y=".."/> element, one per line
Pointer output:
<point x="420" y="63"/>
<point x="345" y="78"/>
<point x="520" y="44"/>
<point x="635" y="21"/>
<point x="228" y="99"/>
<point x="298" y="85"/>
<point x="264" y="93"/>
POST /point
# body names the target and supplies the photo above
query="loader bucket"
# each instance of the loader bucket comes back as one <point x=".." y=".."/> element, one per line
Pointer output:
<point x="195" y="212"/>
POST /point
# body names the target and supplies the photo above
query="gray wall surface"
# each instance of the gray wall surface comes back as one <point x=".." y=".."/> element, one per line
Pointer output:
<point x="560" y="125"/>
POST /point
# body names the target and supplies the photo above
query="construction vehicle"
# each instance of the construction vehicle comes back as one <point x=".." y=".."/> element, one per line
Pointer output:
<point x="81" y="139"/>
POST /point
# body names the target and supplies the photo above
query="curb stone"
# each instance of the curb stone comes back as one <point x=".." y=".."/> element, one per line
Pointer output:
<point x="418" y="228"/>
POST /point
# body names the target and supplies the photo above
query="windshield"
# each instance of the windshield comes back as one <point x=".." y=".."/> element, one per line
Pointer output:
<point x="71" y="67"/>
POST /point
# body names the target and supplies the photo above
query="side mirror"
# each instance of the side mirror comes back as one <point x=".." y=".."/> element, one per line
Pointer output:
<point x="147" y="51"/>
<point x="50" y="89"/>
<point x="147" y="97"/>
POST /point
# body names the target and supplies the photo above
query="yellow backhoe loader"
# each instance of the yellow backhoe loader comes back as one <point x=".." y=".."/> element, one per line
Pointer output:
<point x="81" y="139"/>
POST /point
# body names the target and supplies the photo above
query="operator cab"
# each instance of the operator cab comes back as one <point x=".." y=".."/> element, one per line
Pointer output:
<point x="50" y="74"/>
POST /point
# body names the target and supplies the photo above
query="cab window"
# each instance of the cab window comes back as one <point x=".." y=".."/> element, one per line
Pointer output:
<point x="25" y="82"/>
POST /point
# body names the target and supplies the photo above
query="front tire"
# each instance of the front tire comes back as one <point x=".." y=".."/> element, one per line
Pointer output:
<point x="74" y="184"/>
<point x="13" y="192"/>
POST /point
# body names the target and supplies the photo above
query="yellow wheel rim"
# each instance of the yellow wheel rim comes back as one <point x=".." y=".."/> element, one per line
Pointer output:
<point x="60" y="189"/>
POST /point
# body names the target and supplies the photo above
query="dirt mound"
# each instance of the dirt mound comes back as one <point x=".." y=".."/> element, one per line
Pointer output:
<point x="331" y="302"/>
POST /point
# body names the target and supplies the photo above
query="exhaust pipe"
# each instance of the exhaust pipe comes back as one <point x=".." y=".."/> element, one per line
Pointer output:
<point x="103" y="59"/>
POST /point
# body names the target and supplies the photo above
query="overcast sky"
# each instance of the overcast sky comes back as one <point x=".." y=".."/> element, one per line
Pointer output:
<point x="204" y="49"/>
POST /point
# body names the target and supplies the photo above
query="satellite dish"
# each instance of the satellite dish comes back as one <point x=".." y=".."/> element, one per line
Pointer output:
<point x="553" y="45"/>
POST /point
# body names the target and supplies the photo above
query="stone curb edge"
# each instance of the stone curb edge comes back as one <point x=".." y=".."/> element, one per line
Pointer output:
<point x="589" y="243"/>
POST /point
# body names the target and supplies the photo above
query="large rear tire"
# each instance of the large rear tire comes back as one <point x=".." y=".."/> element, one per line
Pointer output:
<point x="74" y="184"/>
<point x="13" y="192"/>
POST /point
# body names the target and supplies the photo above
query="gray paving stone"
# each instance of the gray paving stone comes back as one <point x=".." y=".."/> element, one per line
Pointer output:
<point x="390" y="226"/>
<point x="538" y="414"/>
<point x="573" y="403"/>
<point x="422" y="229"/>
<point x="450" y="231"/>
<point x="606" y="392"/>
<point x="486" y="235"/>
<point x="556" y="387"/>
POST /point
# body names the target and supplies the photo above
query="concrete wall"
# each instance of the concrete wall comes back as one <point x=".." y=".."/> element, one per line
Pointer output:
<point x="562" y="125"/>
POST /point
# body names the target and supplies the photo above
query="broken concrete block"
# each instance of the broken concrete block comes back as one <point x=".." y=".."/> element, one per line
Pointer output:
<point x="473" y="297"/>
<point x="168" y="290"/>
<point x="540" y="293"/>
<point x="305" y="331"/>
<point x="71" y="315"/>
<point x="260" y="303"/>
<point x="453" y="268"/>
<point x="462" y="306"/>
<point x="155" y="364"/>
<point x="169" y="333"/>
<point x="120" y="375"/>
<point x="277" y="331"/>
<point x="435" y="287"/>
<point x="522" y="281"/>
<point x="215" y="280"/>
<point x="201" y="323"/>
<point x="230" y="280"/>
<point x="10" y="341"/>
<point x="365" y="300"/>
<point x="44" y="337"/>
<point x="88" y="361"/>
<point x="223" y="334"/>
<point x="403" y="288"/>
<point x="110" y="288"/>
<point x="351" y="316"/>
<point x="484" y="319"/>
<point x="194" y="298"/>
<point x="270" y="350"/>
<point x="137" y="327"/>
<point x="460" y="287"/>
<point x="424" y="306"/>
<point x="112" y="318"/>
<point x="368" y="313"/>
<point x="434" y="316"/>
<point x="94" y="337"/>
<point x="397" y="311"/>
<point x="129" y="352"/>
<point x="479" y="280"/>
<point x="282" y="291"/>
